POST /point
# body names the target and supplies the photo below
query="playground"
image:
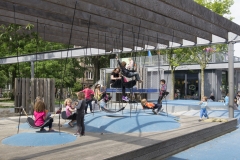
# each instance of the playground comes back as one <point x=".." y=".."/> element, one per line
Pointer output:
<point x="113" y="136"/>
<point x="135" y="111"/>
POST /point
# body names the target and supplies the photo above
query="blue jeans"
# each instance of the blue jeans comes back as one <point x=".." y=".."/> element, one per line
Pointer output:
<point x="88" y="102"/>
<point x="203" y="112"/>
<point x="131" y="74"/>
<point x="102" y="104"/>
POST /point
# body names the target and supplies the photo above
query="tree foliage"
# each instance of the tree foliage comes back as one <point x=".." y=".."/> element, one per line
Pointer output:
<point x="202" y="55"/>
<point x="221" y="7"/>
<point x="21" y="40"/>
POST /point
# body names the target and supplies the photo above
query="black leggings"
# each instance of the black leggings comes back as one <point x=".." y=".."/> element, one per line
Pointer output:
<point x="73" y="117"/>
<point x="49" y="123"/>
<point x="118" y="84"/>
<point x="160" y="99"/>
<point x="80" y="124"/>
<point x="88" y="102"/>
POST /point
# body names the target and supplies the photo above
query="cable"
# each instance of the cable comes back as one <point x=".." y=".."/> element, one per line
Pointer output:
<point x="18" y="72"/>
<point x="63" y="71"/>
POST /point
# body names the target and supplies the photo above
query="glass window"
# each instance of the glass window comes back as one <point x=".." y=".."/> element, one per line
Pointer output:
<point x="89" y="75"/>
<point x="179" y="86"/>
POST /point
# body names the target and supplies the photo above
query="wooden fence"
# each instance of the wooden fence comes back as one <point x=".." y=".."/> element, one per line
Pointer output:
<point x="26" y="90"/>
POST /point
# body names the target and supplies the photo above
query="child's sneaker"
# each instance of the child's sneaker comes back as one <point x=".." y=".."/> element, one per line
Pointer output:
<point x="76" y="134"/>
<point x="125" y="98"/>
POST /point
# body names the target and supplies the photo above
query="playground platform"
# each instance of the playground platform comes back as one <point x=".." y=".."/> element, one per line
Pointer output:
<point x="116" y="136"/>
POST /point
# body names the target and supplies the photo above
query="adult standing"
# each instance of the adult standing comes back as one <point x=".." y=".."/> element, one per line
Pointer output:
<point x="212" y="97"/>
<point x="89" y="97"/>
<point x="238" y="98"/>
<point x="116" y="82"/>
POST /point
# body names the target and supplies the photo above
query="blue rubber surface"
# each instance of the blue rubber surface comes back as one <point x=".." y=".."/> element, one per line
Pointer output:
<point x="39" y="139"/>
<point x="190" y="102"/>
<point x="26" y="126"/>
<point x="113" y="90"/>
<point x="225" y="147"/>
<point x="102" y="122"/>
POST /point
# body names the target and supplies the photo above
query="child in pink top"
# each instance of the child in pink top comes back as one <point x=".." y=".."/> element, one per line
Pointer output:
<point x="41" y="116"/>
<point x="70" y="111"/>
<point x="89" y="97"/>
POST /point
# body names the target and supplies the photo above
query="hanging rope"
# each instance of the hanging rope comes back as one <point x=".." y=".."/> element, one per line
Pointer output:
<point x="63" y="71"/>
<point x="85" y="54"/>
<point x="18" y="72"/>
<point x="171" y="50"/>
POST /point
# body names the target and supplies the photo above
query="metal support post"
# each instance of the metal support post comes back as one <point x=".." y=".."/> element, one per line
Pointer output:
<point x="32" y="69"/>
<point x="231" y="78"/>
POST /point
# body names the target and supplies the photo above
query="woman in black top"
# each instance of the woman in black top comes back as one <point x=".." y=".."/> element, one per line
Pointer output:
<point x="212" y="97"/>
<point x="116" y="82"/>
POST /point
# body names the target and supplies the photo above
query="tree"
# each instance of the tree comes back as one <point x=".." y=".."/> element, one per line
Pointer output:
<point x="175" y="58"/>
<point x="21" y="40"/>
<point x="221" y="7"/>
<point x="202" y="55"/>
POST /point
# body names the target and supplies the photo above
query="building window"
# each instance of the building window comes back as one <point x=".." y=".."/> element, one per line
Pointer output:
<point x="89" y="75"/>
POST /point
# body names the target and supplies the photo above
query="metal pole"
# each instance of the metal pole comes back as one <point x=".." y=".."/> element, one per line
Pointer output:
<point x="32" y="69"/>
<point x="231" y="78"/>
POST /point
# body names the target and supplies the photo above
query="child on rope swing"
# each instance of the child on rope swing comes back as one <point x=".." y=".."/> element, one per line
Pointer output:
<point x="41" y="115"/>
<point x="128" y="73"/>
<point x="153" y="106"/>
<point x="70" y="111"/>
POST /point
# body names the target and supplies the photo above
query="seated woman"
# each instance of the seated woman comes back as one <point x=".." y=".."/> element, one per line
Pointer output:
<point x="116" y="82"/>
<point x="153" y="106"/>
<point x="104" y="99"/>
<point x="41" y="116"/>
<point x="70" y="109"/>
<point x="212" y="97"/>
<point x="128" y="73"/>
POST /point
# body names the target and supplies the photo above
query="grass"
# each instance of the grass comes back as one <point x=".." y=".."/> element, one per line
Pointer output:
<point x="6" y="106"/>
<point x="57" y="101"/>
<point x="6" y="100"/>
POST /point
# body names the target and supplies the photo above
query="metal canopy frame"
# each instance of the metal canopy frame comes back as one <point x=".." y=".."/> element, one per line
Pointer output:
<point x="122" y="23"/>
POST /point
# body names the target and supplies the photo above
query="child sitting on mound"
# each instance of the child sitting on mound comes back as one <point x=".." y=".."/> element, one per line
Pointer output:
<point x="149" y="105"/>
<point x="104" y="99"/>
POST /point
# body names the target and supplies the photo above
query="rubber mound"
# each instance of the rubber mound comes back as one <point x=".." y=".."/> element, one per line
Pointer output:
<point x="39" y="139"/>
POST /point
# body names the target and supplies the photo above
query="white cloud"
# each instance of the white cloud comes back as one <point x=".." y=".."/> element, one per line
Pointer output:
<point x="236" y="14"/>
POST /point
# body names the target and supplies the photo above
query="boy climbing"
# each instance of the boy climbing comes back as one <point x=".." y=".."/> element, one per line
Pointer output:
<point x="162" y="90"/>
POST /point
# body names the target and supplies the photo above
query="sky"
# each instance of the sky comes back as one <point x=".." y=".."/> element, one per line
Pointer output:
<point x="236" y="14"/>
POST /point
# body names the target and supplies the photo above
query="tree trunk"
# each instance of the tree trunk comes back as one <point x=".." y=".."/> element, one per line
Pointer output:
<point x="202" y="81"/>
<point x="172" y="84"/>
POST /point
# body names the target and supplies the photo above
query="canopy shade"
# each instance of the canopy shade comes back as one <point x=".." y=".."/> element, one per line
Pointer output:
<point x="118" y="24"/>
